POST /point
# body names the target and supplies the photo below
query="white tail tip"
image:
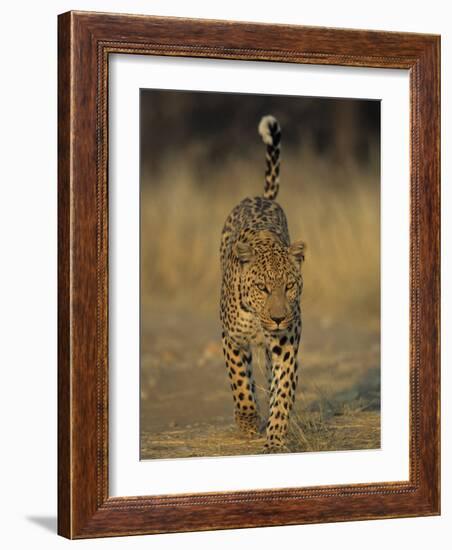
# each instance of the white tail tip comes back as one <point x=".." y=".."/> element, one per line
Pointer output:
<point x="264" y="128"/>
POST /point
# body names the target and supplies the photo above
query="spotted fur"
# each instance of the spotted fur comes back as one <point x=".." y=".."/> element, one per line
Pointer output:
<point x="260" y="301"/>
<point x="270" y="132"/>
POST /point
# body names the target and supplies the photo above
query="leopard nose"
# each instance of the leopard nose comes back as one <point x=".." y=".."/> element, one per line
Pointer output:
<point x="277" y="319"/>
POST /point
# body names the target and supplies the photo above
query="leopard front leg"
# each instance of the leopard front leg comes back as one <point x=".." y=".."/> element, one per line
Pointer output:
<point x="243" y="386"/>
<point x="282" y="355"/>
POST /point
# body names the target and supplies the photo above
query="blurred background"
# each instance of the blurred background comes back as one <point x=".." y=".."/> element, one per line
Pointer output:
<point x="200" y="155"/>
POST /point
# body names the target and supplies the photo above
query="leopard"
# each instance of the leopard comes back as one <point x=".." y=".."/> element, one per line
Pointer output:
<point x="260" y="303"/>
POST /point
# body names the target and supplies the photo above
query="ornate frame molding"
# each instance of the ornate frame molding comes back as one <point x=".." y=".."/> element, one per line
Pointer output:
<point x="85" y="42"/>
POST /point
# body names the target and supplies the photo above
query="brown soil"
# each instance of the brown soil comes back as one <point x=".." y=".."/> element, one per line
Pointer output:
<point x="186" y="404"/>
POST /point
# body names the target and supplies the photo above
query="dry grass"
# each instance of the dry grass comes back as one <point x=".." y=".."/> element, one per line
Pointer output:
<point x="334" y="210"/>
<point x="309" y="434"/>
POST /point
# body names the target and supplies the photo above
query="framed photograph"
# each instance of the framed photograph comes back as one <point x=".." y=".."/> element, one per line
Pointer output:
<point x="248" y="275"/>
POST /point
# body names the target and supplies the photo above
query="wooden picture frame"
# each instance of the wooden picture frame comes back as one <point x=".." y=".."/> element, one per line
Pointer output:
<point x="85" y="42"/>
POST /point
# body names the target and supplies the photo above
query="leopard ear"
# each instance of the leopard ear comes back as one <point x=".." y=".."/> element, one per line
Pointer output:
<point x="297" y="250"/>
<point x="243" y="251"/>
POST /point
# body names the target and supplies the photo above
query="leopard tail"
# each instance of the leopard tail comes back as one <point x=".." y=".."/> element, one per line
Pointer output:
<point x="270" y="131"/>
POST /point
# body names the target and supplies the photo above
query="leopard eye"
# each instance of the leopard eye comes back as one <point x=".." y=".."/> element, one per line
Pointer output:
<point x="262" y="287"/>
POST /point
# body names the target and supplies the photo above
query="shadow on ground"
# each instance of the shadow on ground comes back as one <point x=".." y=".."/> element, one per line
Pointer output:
<point x="49" y="523"/>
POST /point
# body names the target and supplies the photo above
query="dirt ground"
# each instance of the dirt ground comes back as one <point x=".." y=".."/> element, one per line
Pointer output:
<point x="187" y="406"/>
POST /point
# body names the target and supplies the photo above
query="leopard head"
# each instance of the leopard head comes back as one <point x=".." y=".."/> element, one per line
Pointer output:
<point x="271" y="282"/>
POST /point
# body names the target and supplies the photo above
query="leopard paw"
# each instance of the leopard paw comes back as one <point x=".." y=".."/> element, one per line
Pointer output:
<point x="249" y="424"/>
